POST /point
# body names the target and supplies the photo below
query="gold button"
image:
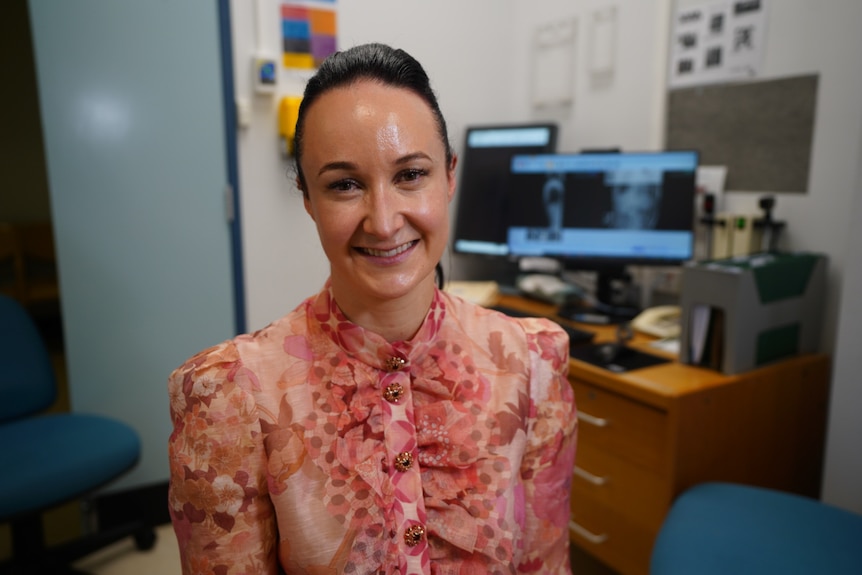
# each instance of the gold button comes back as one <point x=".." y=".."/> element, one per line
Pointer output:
<point x="393" y="392"/>
<point x="403" y="461"/>
<point x="394" y="363"/>
<point x="413" y="536"/>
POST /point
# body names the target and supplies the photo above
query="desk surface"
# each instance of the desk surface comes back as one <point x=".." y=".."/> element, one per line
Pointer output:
<point x="657" y="385"/>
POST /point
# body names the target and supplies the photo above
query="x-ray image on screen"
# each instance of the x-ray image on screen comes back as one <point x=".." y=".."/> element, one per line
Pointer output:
<point x="553" y="196"/>
<point x="635" y="199"/>
<point x="623" y="208"/>
<point x="544" y="221"/>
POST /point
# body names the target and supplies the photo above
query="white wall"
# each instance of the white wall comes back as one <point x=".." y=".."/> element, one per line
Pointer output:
<point x="822" y="38"/>
<point x="625" y="109"/>
<point x="282" y="259"/>
<point x="478" y="56"/>
<point x="843" y="472"/>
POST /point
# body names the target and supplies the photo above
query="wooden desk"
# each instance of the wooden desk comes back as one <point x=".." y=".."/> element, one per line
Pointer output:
<point x="647" y="435"/>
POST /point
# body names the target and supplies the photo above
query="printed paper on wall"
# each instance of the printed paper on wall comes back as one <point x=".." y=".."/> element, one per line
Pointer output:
<point x="717" y="42"/>
<point x="309" y="33"/>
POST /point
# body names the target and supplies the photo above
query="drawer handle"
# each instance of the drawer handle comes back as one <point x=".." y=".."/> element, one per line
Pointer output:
<point x="587" y="534"/>
<point x="587" y="476"/>
<point x="592" y="419"/>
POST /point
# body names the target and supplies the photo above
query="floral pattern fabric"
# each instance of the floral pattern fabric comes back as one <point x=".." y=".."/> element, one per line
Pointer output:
<point x="288" y="452"/>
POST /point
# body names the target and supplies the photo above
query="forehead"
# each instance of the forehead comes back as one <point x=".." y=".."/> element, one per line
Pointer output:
<point x="345" y="116"/>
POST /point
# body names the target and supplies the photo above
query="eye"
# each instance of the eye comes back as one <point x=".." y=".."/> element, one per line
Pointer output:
<point x="345" y="185"/>
<point x="412" y="174"/>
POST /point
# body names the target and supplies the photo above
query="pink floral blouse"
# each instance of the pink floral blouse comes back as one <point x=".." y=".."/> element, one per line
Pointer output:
<point x="318" y="447"/>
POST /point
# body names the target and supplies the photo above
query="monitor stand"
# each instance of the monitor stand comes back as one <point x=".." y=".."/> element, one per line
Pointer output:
<point x="603" y="310"/>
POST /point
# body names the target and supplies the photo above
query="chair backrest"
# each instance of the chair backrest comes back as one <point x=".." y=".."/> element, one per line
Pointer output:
<point x="27" y="383"/>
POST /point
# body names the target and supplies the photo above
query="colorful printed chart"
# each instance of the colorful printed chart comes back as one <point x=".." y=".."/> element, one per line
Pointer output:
<point x="308" y="32"/>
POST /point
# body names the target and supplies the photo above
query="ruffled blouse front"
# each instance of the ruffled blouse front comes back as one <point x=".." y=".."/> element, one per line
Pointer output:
<point x="320" y="446"/>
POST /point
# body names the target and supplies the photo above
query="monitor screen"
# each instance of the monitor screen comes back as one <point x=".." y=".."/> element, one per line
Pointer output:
<point x="603" y="208"/>
<point x="483" y="215"/>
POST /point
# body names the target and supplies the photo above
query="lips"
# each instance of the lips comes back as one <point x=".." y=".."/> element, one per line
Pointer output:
<point x="388" y="253"/>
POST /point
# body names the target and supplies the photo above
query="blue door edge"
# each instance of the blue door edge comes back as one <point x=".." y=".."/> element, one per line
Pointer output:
<point x="230" y="126"/>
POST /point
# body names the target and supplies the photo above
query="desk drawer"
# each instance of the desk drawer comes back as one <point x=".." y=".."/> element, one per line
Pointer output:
<point x="630" y="430"/>
<point x="611" y="537"/>
<point x="639" y="494"/>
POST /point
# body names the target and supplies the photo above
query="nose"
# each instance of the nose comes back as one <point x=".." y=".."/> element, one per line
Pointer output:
<point x="384" y="214"/>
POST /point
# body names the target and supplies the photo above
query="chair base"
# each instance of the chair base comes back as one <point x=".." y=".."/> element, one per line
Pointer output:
<point x="32" y="557"/>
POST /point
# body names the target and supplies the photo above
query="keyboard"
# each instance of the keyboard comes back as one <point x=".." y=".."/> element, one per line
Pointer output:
<point x="577" y="337"/>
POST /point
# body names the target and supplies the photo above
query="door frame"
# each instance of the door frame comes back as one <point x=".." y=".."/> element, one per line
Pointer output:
<point x="233" y="191"/>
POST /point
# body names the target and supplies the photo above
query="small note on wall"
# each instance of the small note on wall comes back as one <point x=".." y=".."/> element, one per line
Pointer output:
<point x="717" y="42"/>
<point x="554" y="49"/>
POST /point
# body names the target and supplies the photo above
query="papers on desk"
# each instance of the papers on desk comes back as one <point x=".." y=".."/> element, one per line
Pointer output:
<point x="699" y="326"/>
<point x="666" y="344"/>
<point x="484" y="293"/>
<point x="706" y="336"/>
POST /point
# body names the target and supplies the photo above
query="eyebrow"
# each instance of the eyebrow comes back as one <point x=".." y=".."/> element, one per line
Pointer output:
<point x="335" y="166"/>
<point x="345" y="165"/>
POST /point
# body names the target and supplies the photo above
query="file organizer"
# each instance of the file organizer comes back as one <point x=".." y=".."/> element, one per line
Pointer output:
<point x="742" y="312"/>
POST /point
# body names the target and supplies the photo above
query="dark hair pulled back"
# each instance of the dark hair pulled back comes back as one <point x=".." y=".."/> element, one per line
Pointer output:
<point x="378" y="62"/>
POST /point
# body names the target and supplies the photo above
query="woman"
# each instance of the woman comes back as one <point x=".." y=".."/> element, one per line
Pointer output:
<point x="383" y="425"/>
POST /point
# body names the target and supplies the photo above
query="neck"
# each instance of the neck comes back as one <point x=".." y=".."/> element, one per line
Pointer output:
<point x="396" y="319"/>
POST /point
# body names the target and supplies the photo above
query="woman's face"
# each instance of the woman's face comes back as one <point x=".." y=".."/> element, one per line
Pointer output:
<point x="378" y="189"/>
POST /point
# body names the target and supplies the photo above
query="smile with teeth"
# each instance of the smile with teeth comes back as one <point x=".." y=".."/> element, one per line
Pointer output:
<point x="388" y="253"/>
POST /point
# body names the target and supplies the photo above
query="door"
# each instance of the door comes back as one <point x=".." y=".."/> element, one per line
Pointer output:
<point x="134" y="127"/>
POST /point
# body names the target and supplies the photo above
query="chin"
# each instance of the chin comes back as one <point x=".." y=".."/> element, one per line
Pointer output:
<point x="393" y="290"/>
<point x="399" y="286"/>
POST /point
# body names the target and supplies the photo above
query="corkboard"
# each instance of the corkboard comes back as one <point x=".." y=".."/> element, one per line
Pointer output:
<point x="762" y="131"/>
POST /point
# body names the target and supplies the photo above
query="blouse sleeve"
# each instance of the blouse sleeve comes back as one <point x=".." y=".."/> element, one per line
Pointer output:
<point x="219" y="503"/>
<point x="548" y="463"/>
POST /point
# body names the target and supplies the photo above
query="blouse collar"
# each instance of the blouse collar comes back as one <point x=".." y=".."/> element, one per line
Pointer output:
<point x="367" y="346"/>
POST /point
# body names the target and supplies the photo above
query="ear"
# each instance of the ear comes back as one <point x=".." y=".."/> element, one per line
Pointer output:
<point x="451" y="177"/>
<point x="307" y="203"/>
<point x="305" y="200"/>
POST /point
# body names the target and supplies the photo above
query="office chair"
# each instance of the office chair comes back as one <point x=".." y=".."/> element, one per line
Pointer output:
<point x="50" y="459"/>
<point x="719" y="528"/>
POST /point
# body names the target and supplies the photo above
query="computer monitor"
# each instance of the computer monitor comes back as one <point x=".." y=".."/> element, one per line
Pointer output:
<point x="483" y="212"/>
<point x="603" y="211"/>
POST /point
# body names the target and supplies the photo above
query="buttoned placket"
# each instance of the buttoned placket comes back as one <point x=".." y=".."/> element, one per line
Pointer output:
<point x="410" y="533"/>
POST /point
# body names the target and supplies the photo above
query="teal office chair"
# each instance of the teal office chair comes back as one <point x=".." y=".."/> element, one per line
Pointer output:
<point x="721" y="528"/>
<point x="50" y="459"/>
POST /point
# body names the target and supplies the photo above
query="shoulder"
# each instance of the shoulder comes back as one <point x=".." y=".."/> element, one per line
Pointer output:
<point x="218" y="358"/>
<point x="536" y="333"/>
<point x="233" y="361"/>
